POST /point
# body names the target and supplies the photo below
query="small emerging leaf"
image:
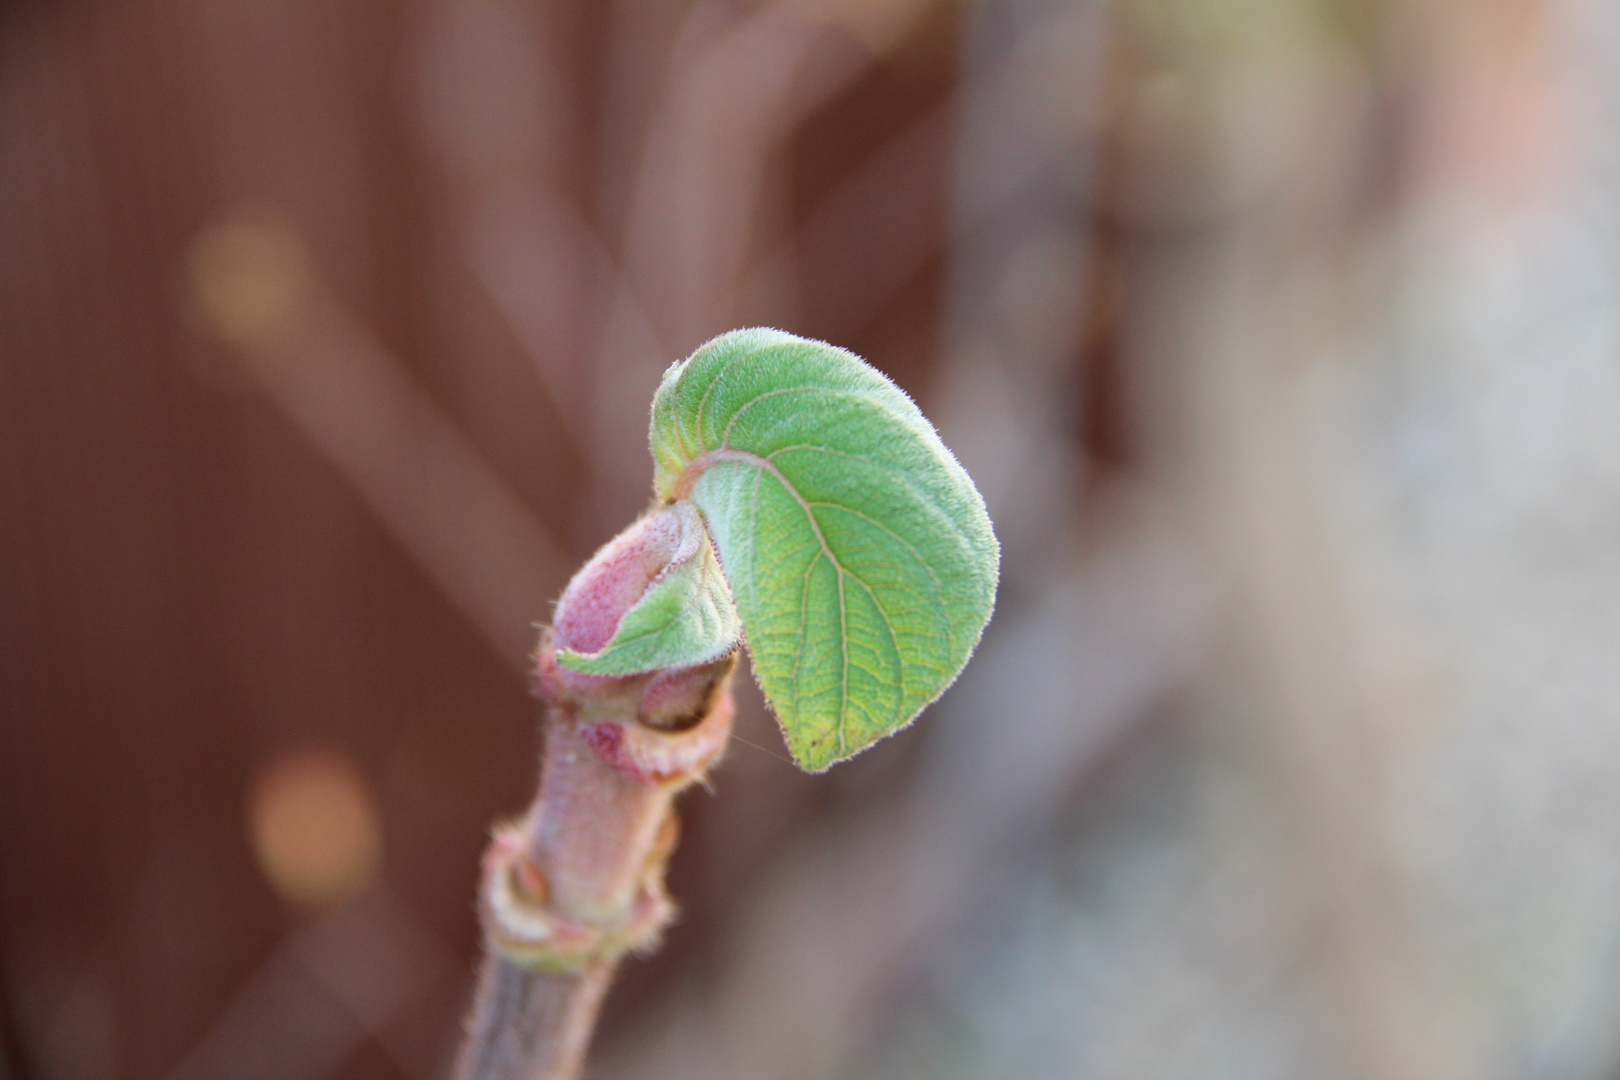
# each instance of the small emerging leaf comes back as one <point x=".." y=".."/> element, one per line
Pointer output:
<point x="859" y="552"/>
<point x="685" y="616"/>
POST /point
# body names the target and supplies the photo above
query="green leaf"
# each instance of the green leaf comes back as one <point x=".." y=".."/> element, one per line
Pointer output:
<point x="859" y="552"/>
<point x="686" y="615"/>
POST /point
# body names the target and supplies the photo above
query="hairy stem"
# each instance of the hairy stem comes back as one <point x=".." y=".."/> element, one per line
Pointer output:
<point x="531" y="1025"/>
<point x="580" y="880"/>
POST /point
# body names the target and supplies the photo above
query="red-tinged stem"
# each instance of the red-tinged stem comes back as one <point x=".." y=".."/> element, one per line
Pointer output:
<point x="579" y="881"/>
<point x="531" y="1025"/>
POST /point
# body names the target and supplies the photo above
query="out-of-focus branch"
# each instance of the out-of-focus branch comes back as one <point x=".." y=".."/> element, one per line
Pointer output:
<point x="702" y="174"/>
<point x="460" y="522"/>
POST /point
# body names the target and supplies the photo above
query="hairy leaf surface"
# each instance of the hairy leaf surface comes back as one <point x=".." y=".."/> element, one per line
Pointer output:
<point x="859" y="552"/>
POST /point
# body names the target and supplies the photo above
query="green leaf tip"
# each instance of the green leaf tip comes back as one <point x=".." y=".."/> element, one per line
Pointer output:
<point x="859" y="553"/>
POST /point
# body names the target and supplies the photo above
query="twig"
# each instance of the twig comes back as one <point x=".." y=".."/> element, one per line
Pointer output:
<point x="580" y="880"/>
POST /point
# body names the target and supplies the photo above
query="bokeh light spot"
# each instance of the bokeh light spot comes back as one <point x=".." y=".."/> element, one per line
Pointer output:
<point x="248" y="276"/>
<point x="314" y="828"/>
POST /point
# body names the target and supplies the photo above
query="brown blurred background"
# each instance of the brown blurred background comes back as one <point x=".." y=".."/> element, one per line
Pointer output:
<point x="1283" y="337"/>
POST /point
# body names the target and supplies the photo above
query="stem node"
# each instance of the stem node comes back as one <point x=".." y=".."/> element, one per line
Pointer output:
<point x="579" y="881"/>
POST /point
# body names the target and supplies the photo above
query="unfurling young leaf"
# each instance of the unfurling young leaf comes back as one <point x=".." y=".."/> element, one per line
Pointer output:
<point x="859" y="552"/>
<point x="684" y="616"/>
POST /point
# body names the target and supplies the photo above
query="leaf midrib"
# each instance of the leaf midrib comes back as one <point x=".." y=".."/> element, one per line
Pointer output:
<point x="701" y="464"/>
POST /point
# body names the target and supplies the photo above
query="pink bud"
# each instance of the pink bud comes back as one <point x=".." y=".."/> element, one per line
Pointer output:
<point x="657" y="727"/>
<point x="607" y="587"/>
<point x="610" y="584"/>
